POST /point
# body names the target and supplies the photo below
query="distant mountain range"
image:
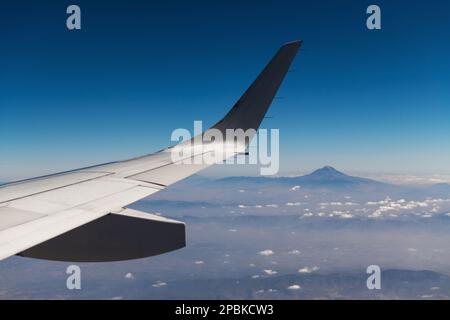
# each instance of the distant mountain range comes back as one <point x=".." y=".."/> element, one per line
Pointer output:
<point x="326" y="177"/>
<point x="330" y="179"/>
<point x="329" y="175"/>
<point x="326" y="174"/>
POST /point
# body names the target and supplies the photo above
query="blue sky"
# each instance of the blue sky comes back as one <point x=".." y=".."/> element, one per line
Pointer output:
<point x="360" y="100"/>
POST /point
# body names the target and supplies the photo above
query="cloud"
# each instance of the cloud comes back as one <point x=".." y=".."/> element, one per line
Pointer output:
<point x="242" y="206"/>
<point x="159" y="284"/>
<point x="199" y="262"/>
<point x="295" y="188"/>
<point x="294" y="287"/>
<point x="242" y="191"/>
<point x="344" y="215"/>
<point x="256" y="276"/>
<point x="412" y="249"/>
<point x="403" y="205"/>
<point x="294" y="252"/>
<point x="266" y="253"/>
<point x="271" y="205"/>
<point x="411" y="179"/>
<point x="129" y="275"/>
<point x="270" y="272"/>
<point x="308" y="269"/>
<point x="293" y="204"/>
<point x="232" y="230"/>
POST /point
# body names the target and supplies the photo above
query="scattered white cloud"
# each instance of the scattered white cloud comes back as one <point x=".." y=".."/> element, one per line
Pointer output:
<point x="256" y="276"/>
<point x="159" y="284"/>
<point x="270" y="272"/>
<point x="242" y="191"/>
<point x="294" y="287"/>
<point x="199" y="262"/>
<point x="266" y="252"/>
<point x="271" y="205"/>
<point x="412" y="249"/>
<point x="296" y="252"/>
<point x="295" y="188"/>
<point x="308" y="269"/>
<point x="403" y="206"/>
<point x="232" y="230"/>
<point x="129" y="275"/>
<point x="343" y="214"/>
<point x="410" y="179"/>
<point x="293" y="204"/>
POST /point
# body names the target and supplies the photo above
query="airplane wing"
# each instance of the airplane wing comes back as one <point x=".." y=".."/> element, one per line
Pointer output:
<point x="82" y="215"/>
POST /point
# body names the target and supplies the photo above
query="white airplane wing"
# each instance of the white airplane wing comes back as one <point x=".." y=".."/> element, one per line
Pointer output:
<point x="82" y="215"/>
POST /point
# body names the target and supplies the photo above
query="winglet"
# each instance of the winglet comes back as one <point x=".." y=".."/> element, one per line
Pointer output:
<point x="249" y="110"/>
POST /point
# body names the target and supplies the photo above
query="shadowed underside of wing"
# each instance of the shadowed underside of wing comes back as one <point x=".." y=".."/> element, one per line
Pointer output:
<point x="81" y="215"/>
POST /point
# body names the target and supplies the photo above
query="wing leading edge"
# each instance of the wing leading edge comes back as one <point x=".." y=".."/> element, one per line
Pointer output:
<point x="81" y="215"/>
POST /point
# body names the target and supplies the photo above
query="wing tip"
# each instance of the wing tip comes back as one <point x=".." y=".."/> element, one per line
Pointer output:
<point x="294" y="43"/>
